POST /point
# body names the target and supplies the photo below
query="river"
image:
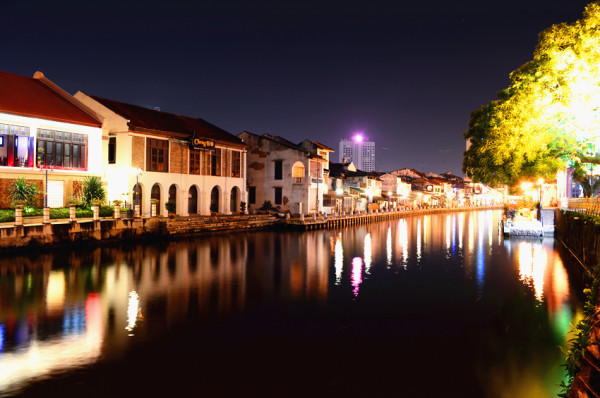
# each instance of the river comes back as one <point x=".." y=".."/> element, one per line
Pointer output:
<point x="430" y="306"/>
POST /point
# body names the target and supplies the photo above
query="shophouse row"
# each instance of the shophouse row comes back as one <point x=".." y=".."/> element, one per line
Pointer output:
<point x="145" y="155"/>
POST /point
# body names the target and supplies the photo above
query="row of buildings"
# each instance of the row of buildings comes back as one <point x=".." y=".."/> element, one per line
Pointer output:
<point x="142" y="155"/>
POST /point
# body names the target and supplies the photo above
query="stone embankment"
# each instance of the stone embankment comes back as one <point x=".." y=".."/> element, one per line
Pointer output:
<point x="94" y="231"/>
<point x="581" y="236"/>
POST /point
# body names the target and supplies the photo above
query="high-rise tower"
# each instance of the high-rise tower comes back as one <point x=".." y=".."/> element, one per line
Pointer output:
<point x="359" y="151"/>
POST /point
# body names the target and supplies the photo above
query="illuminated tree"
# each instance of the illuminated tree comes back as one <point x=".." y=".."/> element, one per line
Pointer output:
<point x="549" y="116"/>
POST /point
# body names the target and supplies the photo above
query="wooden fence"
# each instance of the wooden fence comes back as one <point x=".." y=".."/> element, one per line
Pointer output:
<point x="589" y="206"/>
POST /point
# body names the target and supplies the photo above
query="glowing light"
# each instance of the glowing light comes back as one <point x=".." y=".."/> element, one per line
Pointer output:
<point x="368" y="253"/>
<point x="356" y="277"/>
<point x="339" y="259"/>
<point x="418" y="240"/>
<point x="1" y="337"/>
<point x="55" y="293"/>
<point x="133" y="308"/>
<point x="358" y="137"/>
<point x="389" y="246"/>
<point x="403" y="240"/>
<point x="532" y="265"/>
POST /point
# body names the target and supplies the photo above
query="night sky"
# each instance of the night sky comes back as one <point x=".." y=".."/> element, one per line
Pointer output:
<point x="406" y="74"/>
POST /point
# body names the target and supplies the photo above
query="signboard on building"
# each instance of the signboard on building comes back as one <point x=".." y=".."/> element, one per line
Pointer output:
<point x="199" y="143"/>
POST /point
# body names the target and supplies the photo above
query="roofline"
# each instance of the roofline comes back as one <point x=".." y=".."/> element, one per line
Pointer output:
<point x="54" y="119"/>
<point x="183" y="136"/>
<point x="69" y="98"/>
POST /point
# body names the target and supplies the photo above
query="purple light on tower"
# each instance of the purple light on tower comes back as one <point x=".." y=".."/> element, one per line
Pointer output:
<point x="358" y="137"/>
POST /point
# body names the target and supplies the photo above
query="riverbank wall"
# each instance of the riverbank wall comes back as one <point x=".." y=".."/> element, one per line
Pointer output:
<point x="580" y="234"/>
<point x="64" y="233"/>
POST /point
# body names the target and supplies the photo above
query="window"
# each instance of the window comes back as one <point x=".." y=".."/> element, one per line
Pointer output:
<point x="61" y="150"/>
<point x="278" y="195"/>
<point x="298" y="173"/>
<point x="194" y="162"/>
<point x="157" y="155"/>
<point x="215" y="162"/>
<point x="251" y="195"/>
<point x="112" y="150"/>
<point x="315" y="171"/>
<point x="16" y="148"/>
<point x="279" y="169"/>
<point x="236" y="163"/>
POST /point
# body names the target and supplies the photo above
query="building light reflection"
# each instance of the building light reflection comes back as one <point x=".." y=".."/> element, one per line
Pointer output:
<point x="461" y="222"/>
<point x="55" y="293"/>
<point x="471" y="241"/>
<point x="418" y="240"/>
<point x="339" y="259"/>
<point x="448" y="232"/>
<point x="368" y="253"/>
<point x="403" y="240"/>
<point x="532" y="264"/>
<point x="389" y="247"/>
<point x="133" y="308"/>
<point x="356" y="274"/>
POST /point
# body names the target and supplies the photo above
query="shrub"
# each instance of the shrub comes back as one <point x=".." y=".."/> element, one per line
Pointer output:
<point x="171" y="207"/>
<point x="93" y="190"/>
<point x="242" y="206"/>
<point x="267" y="205"/>
<point x="106" y="211"/>
<point x="7" y="215"/>
<point x="23" y="192"/>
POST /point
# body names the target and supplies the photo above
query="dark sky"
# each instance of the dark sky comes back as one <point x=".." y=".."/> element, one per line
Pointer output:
<point x="406" y="74"/>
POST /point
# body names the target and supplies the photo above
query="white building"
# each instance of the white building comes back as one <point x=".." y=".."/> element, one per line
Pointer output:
<point x="152" y="155"/>
<point x="42" y="127"/>
<point x="359" y="152"/>
<point x="287" y="175"/>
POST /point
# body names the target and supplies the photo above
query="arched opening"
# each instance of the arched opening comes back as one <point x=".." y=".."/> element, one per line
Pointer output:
<point x="173" y="197"/>
<point x="214" y="200"/>
<point x="155" y="194"/>
<point x="234" y="200"/>
<point x="193" y="200"/>
<point x="298" y="173"/>
<point x="137" y="195"/>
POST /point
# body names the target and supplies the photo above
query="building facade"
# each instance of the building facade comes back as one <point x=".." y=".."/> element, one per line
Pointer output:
<point x="283" y="173"/>
<point x="47" y="137"/>
<point x="359" y="152"/>
<point x="149" y="155"/>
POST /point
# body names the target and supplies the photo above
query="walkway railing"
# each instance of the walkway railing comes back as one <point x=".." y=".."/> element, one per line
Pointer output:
<point x="589" y="206"/>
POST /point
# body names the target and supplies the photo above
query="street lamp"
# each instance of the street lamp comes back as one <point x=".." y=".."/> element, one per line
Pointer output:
<point x="541" y="183"/>
<point x="42" y="166"/>
<point x="138" y="172"/>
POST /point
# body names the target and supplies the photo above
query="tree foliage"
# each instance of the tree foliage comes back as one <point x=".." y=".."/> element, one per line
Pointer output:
<point x="549" y="115"/>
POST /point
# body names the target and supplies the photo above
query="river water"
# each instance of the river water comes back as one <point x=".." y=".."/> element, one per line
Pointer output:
<point x="431" y="306"/>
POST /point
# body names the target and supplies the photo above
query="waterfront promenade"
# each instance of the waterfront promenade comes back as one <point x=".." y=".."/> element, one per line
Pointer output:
<point x="62" y="232"/>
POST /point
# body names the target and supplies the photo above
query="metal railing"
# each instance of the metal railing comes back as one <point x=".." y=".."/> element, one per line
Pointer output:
<point x="589" y="206"/>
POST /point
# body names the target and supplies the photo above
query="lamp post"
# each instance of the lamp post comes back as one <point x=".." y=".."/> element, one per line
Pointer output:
<point x="136" y="191"/>
<point x="541" y="183"/>
<point x="42" y="166"/>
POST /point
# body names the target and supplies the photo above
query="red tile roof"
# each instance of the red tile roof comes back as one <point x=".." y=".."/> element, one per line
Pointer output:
<point x="38" y="97"/>
<point x="144" y="119"/>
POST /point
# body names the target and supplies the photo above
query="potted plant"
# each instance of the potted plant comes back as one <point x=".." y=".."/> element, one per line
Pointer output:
<point x="170" y="207"/>
<point x="243" y="207"/>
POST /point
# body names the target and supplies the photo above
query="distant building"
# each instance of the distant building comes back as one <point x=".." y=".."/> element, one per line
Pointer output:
<point x="359" y="152"/>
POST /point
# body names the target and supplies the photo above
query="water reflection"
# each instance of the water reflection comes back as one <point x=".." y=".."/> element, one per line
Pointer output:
<point x="60" y="311"/>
